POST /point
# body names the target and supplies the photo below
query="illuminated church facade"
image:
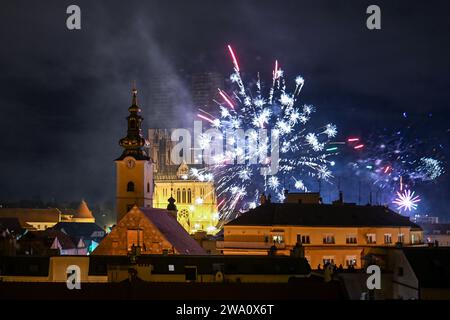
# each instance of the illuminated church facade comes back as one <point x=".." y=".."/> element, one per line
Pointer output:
<point x="146" y="177"/>
<point x="195" y="200"/>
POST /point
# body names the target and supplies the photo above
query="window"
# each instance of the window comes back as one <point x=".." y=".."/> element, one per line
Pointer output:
<point x="415" y="239"/>
<point x="350" y="239"/>
<point x="350" y="261"/>
<point x="133" y="124"/>
<point x="387" y="238"/>
<point x="148" y="187"/>
<point x="184" y="196"/>
<point x="304" y="239"/>
<point x="328" y="239"/>
<point x="171" y="267"/>
<point x="278" y="238"/>
<point x="178" y="195"/>
<point x="130" y="187"/>
<point x="371" y="238"/>
<point x="189" y="196"/>
<point x="401" y="237"/>
<point x="328" y="260"/>
<point x="190" y="273"/>
<point x="134" y="237"/>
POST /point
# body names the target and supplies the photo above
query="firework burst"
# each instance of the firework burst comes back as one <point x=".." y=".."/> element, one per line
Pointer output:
<point x="274" y="122"/>
<point x="393" y="160"/>
<point x="406" y="201"/>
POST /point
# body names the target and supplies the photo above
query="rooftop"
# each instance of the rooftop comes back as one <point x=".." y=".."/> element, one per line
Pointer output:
<point x="173" y="231"/>
<point x="342" y="215"/>
<point x="31" y="215"/>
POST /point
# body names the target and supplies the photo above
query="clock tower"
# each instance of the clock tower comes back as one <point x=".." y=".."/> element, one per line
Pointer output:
<point x="134" y="168"/>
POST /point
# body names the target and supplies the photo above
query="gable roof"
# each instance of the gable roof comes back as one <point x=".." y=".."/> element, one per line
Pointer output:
<point x="173" y="231"/>
<point x="294" y="214"/>
<point x="79" y="229"/>
<point x="31" y="215"/>
<point x="48" y="236"/>
<point x="431" y="266"/>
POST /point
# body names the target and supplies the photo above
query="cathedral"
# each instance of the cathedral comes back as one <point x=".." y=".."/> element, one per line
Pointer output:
<point x="146" y="177"/>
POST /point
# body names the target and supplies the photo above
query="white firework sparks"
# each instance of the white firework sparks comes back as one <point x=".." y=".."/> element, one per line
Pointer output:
<point x="239" y="184"/>
<point x="406" y="201"/>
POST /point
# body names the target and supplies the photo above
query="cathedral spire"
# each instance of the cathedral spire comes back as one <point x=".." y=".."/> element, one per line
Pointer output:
<point x="134" y="142"/>
<point x="134" y="90"/>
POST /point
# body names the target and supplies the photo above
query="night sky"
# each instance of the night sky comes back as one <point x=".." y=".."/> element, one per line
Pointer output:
<point x="64" y="94"/>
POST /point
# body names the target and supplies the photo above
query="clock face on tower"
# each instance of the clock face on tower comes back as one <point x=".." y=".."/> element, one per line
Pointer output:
<point x="130" y="163"/>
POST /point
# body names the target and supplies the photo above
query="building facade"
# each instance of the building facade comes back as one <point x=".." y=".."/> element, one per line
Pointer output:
<point x="337" y="234"/>
<point x="204" y="90"/>
<point x="195" y="200"/>
<point x="437" y="234"/>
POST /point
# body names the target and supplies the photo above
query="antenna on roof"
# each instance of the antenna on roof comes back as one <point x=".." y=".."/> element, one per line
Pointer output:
<point x="359" y="191"/>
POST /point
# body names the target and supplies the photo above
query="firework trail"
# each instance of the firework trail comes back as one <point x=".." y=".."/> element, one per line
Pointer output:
<point x="388" y="158"/>
<point x="242" y="173"/>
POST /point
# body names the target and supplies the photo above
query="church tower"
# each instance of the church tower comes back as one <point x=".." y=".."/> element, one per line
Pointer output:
<point x="134" y="169"/>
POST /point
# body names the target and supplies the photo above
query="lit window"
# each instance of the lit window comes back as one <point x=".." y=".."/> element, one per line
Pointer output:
<point x="134" y="237"/>
<point x="415" y="238"/>
<point x="328" y="260"/>
<point x="371" y="238"/>
<point x="328" y="239"/>
<point x="184" y="196"/>
<point x="401" y="237"/>
<point x="171" y="267"/>
<point x="189" y="196"/>
<point x="350" y="239"/>
<point x="388" y="238"/>
<point x="277" y="238"/>
<point x="178" y="195"/>
<point x="350" y="261"/>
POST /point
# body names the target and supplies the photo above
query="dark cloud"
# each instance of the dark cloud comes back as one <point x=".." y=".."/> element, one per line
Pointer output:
<point x="64" y="94"/>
